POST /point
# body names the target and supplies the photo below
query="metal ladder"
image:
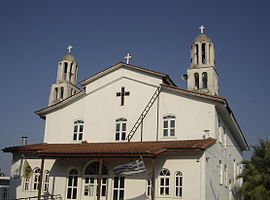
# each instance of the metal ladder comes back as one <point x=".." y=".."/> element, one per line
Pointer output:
<point x="144" y="113"/>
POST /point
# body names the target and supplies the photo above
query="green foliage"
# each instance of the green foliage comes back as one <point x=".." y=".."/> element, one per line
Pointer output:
<point x="256" y="174"/>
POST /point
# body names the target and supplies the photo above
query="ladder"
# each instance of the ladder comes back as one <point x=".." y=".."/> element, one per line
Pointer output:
<point x="144" y="113"/>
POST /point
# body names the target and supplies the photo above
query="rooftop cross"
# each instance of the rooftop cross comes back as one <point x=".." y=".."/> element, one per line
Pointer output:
<point x="201" y="28"/>
<point x="128" y="57"/>
<point x="69" y="48"/>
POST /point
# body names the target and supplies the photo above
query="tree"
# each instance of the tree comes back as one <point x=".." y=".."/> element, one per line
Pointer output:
<point x="256" y="174"/>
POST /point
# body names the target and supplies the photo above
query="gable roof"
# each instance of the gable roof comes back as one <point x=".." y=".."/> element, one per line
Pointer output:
<point x="166" y="79"/>
<point x="129" y="149"/>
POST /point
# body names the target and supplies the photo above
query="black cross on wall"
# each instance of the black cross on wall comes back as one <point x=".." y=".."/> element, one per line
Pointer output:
<point x="122" y="94"/>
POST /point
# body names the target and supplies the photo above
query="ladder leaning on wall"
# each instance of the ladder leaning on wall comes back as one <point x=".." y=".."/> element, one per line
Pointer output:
<point x="144" y="113"/>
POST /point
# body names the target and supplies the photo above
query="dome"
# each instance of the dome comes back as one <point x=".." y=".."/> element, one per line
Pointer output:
<point x="202" y="38"/>
<point x="69" y="57"/>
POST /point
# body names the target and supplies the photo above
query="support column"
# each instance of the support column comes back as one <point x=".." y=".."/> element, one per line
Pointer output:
<point x="207" y="54"/>
<point x="41" y="178"/>
<point x="153" y="181"/>
<point x="99" y="178"/>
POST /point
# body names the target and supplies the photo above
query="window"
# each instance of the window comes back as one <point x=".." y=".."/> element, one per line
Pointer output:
<point x="70" y="72"/>
<point x="197" y="53"/>
<point x="78" y="130"/>
<point x="91" y="180"/>
<point x="118" y="188"/>
<point x="46" y="180"/>
<point x="204" y="80"/>
<point x="26" y="184"/>
<point x="5" y="194"/>
<point x="148" y="187"/>
<point x="36" y="175"/>
<point x="196" y="79"/>
<point x="225" y="139"/>
<point x="178" y="184"/>
<point x="65" y="70"/>
<point x="234" y="171"/>
<point x="55" y="93"/>
<point x="72" y="184"/>
<point x="169" y="126"/>
<point x="62" y="92"/>
<point x="203" y="54"/>
<point x="225" y="176"/>
<point x="220" y="131"/>
<point x="164" y="182"/>
<point x="220" y="173"/>
<point x="120" y="129"/>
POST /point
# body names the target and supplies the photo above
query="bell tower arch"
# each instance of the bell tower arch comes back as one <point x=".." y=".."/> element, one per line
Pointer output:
<point x="66" y="79"/>
<point x="202" y="75"/>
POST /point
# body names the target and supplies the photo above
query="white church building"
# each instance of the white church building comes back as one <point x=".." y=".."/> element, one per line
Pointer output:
<point x="189" y="139"/>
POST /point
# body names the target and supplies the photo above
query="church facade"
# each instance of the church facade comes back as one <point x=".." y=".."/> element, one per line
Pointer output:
<point x="189" y="139"/>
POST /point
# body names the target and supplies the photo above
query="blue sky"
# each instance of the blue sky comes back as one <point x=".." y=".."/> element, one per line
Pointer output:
<point x="34" y="36"/>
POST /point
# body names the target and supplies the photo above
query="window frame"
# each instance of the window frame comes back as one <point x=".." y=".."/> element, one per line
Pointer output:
<point x="169" y="126"/>
<point x="78" y="130"/>
<point x="120" y="129"/>
<point x="178" y="184"/>
<point x="73" y="187"/>
<point x="35" y="179"/>
<point x="46" y="181"/>
<point x="118" y="189"/>
<point x="164" y="182"/>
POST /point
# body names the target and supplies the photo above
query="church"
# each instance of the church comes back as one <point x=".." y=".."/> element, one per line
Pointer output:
<point x="187" y="138"/>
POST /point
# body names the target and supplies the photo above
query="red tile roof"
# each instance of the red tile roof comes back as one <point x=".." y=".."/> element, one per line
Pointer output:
<point x="85" y="149"/>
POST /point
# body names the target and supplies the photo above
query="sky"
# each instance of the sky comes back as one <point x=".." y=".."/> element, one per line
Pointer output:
<point x="158" y="34"/>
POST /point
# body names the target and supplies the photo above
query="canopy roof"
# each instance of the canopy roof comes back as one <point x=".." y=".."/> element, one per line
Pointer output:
<point x="129" y="149"/>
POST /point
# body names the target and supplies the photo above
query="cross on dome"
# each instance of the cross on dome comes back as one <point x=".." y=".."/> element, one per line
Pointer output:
<point x="201" y="28"/>
<point x="128" y="57"/>
<point x="69" y="48"/>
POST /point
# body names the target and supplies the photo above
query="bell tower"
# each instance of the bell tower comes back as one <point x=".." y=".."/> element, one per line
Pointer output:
<point x="66" y="79"/>
<point x="202" y="75"/>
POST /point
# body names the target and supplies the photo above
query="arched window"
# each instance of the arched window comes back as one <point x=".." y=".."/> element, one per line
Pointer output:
<point x="91" y="180"/>
<point x="46" y="180"/>
<point x="178" y="184"/>
<point x="72" y="184"/>
<point x="169" y="126"/>
<point x="148" y="187"/>
<point x="62" y="93"/>
<point x="35" y="180"/>
<point x="78" y="130"/>
<point x="197" y="53"/>
<point x="204" y="80"/>
<point x="120" y="129"/>
<point x="164" y="182"/>
<point x="203" y="54"/>
<point x="196" y="80"/>
<point x="70" y="72"/>
<point x="65" y="70"/>
<point x="55" y="93"/>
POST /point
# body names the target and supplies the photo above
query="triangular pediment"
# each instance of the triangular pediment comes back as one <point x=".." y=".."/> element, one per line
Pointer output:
<point x="165" y="78"/>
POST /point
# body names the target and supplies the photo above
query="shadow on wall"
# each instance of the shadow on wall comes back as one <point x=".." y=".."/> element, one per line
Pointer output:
<point x="212" y="189"/>
<point x="141" y="197"/>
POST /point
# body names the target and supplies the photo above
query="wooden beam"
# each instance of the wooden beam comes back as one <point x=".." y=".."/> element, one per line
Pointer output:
<point x="99" y="178"/>
<point x="153" y="179"/>
<point x="40" y="180"/>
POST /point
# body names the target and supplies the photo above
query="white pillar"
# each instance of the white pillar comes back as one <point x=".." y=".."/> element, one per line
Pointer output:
<point x="200" y="53"/>
<point x="207" y="53"/>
